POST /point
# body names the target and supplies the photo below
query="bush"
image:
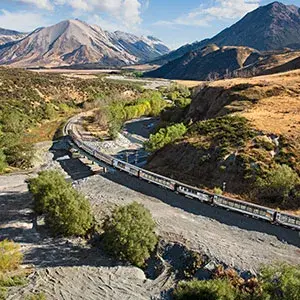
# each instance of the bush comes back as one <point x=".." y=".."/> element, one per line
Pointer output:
<point x="3" y="163"/>
<point x="129" y="234"/>
<point x="165" y="136"/>
<point x="66" y="211"/>
<point x="39" y="296"/>
<point x="278" y="184"/>
<point x="218" y="191"/>
<point x="205" y="290"/>
<point x="45" y="187"/>
<point x="10" y="256"/>
<point x="281" y="282"/>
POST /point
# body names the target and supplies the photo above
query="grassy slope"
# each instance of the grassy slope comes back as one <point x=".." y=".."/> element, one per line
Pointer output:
<point x="210" y="153"/>
<point x="34" y="106"/>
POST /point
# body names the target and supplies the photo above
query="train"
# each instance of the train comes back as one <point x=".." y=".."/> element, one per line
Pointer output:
<point x="246" y="208"/>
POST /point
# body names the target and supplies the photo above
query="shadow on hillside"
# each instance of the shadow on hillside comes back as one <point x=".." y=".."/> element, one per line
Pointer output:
<point x="197" y="208"/>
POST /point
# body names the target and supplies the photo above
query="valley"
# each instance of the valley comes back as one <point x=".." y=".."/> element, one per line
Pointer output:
<point x="130" y="170"/>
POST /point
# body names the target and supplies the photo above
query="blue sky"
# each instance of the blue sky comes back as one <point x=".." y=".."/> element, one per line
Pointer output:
<point x="176" y="22"/>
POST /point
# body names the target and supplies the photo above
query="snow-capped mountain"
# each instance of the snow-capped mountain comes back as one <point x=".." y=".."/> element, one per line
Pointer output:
<point x="75" y="42"/>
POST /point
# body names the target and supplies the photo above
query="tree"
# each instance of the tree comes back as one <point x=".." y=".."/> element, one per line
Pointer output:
<point x="3" y="163"/>
<point x="129" y="234"/>
<point x="278" y="184"/>
<point x="205" y="290"/>
<point x="281" y="282"/>
<point x="66" y="211"/>
<point x="165" y="136"/>
<point x="69" y="214"/>
<point x="17" y="153"/>
<point x="45" y="188"/>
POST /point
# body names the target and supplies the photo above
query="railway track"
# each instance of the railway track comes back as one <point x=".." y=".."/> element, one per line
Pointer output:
<point x="255" y="211"/>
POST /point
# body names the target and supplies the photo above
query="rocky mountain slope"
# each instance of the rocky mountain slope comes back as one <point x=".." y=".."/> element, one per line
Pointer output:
<point x="74" y="42"/>
<point x="271" y="27"/>
<point x="7" y="36"/>
<point x="207" y="63"/>
<point x="212" y="62"/>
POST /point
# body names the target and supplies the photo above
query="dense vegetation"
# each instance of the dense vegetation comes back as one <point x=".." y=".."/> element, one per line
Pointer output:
<point x="227" y="149"/>
<point x="66" y="211"/>
<point x="129" y="234"/>
<point x="31" y="102"/>
<point x="274" y="282"/>
<point x="165" y="136"/>
<point x="112" y="114"/>
<point x="10" y="260"/>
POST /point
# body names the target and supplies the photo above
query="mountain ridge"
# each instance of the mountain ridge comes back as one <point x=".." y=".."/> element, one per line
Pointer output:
<point x="8" y="35"/>
<point x="76" y="42"/>
<point x="271" y="27"/>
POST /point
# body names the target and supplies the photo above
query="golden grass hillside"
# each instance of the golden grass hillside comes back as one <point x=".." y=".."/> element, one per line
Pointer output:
<point x="238" y="131"/>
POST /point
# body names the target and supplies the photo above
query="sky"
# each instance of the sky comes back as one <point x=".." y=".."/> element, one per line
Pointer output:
<point x="175" y="22"/>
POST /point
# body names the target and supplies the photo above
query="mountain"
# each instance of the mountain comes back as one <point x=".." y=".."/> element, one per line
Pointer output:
<point x="271" y="27"/>
<point x="7" y="36"/>
<point x="212" y="62"/>
<point x="75" y="42"/>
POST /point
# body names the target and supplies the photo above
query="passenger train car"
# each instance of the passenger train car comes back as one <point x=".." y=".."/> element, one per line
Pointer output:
<point x="246" y="208"/>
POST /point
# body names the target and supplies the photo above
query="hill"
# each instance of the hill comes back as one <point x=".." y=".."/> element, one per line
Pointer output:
<point x="238" y="131"/>
<point x="74" y="42"/>
<point x="212" y="62"/>
<point x="7" y="36"/>
<point x="272" y="27"/>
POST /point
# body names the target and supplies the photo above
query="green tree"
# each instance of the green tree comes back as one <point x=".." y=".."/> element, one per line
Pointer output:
<point x="45" y="187"/>
<point x="205" y="290"/>
<point x="280" y="282"/>
<point x="66" y="211"/>
<point x="278" y="184"/>
<point x="3" y="163"/>
<point x="129" y="234"/>
<point x="69" y="214"/>
<point x="165" y="136"/>
<point x="13" y="125"/>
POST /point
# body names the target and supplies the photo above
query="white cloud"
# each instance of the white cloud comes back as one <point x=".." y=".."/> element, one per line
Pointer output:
<point x="22" y="21"/>
<point x="42" y="4"/>
<point x="221" y="9"/>
<point x="127" y="12"/>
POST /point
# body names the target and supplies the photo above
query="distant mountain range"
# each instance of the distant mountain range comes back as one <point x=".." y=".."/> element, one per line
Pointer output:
<point x="272" y="27"/>
<point x="7" y="36"/>
<point x="261" y="39"/>
<point x="73" y="42"/>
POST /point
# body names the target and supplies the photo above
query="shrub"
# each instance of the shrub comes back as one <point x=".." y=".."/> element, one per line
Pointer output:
<point x="3" y="163"/>
<point x="69" y="214"/>
<point x="66" y="211"/>
<point x="218" y="191"/>
<point x="39" y="296"/>
<point x="165" y="136"/>
<point x="45" y="187"/>
<point x="10" y="256"/>
<point x="280" y="282"/>
<point x="129" y="234"/>
<point x="278" y="184"/>
<point x="205" y="290"/>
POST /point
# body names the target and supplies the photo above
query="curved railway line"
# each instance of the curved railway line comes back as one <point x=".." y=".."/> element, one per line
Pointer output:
<point x="248" y="209"/>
